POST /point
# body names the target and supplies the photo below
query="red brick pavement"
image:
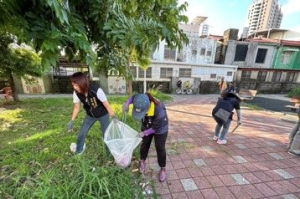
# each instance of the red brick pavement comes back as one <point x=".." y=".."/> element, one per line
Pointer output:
<point x="253" y="164"/>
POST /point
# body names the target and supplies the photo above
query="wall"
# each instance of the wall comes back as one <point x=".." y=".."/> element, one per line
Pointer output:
<point x="186" y="53"/>
<point x="294" y="61"/>
<point x="251" y="54"/>
<point x="267" y="86"/>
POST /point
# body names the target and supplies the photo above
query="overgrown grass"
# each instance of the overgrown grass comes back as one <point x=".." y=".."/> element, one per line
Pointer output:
<point x="36" y="161"/>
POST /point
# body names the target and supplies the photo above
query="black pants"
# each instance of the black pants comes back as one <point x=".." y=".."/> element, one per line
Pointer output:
<point x="160" y="145"/>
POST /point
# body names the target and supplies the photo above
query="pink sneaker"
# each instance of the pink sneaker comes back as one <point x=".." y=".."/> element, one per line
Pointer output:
<point x="162" y="174"/>
<point x="222" y="141"/>
<point x="142" y="166"/>
<point x="215" y="138"/>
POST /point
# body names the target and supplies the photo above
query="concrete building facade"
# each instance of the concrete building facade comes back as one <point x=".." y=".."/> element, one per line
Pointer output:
<point x="250" y="54"/>
<point x="264" y="14"/>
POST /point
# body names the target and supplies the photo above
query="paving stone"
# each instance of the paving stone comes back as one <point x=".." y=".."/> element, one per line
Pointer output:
<point x="189" y="184"/>
<point x="239" y="159"/>
<point x="239" y="179"/>
<point x="181" y="140"/>
<point x="252" y="191"/>
<point x="289" y="196"/>
<point x="194" y="194"/>
<point x="210" y="193"/>
<point x="241" y="146"/>
<point x="224" y="192"/>
<point x="181" y="195"/>
<point x="276" y="156"/>
<point x="238" y="192"/>
<point x="271" y="144"/>
<point x="283" y="174"/>
<point x="264" y="189"/>
<point x="190" y="132"/>
<point x="207" y="148"/>
<point x="200" y="162"/>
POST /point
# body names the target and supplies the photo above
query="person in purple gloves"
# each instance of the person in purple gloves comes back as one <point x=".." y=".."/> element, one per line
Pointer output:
<point x="155" y="124"/>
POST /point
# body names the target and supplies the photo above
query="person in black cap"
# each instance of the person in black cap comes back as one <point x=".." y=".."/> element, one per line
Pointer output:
<point x="95" y="104"/>
<point x="222" y="114"/>
<point x="155" y="125"/>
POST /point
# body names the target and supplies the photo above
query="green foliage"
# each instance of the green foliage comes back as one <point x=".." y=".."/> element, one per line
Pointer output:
<point x="105" y="34"/>
<point x="20" y="61"/>
<point x="36" y="161"/>
<point x="294" y="92"/>
<point x="159" y="95"/>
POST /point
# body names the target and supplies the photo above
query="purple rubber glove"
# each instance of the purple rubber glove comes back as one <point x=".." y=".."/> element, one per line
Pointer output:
<point x="126" y="105"/>
<point x="148" y="131"/>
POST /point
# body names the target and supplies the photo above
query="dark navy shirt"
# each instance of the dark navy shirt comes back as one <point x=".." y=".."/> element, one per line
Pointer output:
<point x="158" y="122"/>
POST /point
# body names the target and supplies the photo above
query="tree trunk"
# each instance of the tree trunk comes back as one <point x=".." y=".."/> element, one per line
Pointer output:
<point x="13" y="88"/>
<point x="129" y="87"/>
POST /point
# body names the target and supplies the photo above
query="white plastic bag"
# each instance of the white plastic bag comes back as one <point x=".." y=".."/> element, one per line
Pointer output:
<point x="121" y="140"/>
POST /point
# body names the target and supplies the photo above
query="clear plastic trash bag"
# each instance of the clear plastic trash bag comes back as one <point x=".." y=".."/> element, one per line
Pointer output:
<point x="121" y="140"/>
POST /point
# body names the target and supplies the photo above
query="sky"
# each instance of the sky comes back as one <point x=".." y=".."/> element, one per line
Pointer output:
<point x="225" y="14"/>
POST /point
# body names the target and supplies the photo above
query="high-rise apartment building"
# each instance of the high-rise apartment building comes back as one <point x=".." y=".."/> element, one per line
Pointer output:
<point x="264" y="14"/>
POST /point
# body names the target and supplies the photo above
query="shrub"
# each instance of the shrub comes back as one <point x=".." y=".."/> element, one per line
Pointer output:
<point x="294" y="92"/>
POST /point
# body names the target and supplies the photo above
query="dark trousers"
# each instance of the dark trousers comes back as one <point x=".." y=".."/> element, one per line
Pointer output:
<point x="160" y="145"/>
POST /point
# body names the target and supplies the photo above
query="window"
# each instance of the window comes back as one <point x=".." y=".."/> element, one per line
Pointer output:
<point x="133" y="71"/>
<point x="262" y="76"/>
<point x="166" y="72"/>
<point x="213" y="76"/>
<point x="246" y="75"/>
<point x="148" y="73"/>
<point x="194" y="52"/>
<point x="240" y="52"/>
<point x="169" y="54"/>
<point x="208" y="53"/>
<point x="290" y="77"/>
<point x="261" y="55"/>
<point x="202" y="52"/>
<point x="276" y="76"/>
<point x="286" y="57"/>
<point x="185" y="72"/>
<point x="229" y="73"/>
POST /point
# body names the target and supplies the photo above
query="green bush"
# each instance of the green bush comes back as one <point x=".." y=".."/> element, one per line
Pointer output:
<point x="294" y="92"/>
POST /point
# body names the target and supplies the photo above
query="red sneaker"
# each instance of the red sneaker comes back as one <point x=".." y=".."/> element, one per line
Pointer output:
<point x="142" y="166"/>
<point x="162" y="174"/>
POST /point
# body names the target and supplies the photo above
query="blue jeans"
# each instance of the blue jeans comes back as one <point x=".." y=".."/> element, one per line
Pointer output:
<point x="85" y="127"/>
<point x="225" y="126"/>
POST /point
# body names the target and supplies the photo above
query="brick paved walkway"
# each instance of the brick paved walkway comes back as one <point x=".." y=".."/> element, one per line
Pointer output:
<point x="253" y="164"/>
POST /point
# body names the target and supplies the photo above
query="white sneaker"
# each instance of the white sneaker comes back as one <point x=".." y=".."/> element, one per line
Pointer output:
<point x="73" y="147"/>
<point x="215" y="137"/>
<point x="221" y="141"/>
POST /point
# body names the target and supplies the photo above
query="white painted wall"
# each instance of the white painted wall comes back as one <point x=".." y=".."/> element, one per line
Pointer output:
<point x="187" y="51"/>
<point x="202" y="71"/>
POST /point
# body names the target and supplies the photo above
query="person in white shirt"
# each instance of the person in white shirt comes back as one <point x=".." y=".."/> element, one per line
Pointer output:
<point x="95" y="104"/>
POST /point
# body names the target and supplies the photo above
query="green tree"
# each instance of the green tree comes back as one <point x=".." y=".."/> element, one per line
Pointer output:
<point x="103" y="33"/>
<point x="18" y="61"/>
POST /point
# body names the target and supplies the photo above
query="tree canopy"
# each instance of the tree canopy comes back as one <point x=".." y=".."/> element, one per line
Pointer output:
<point x="102" y="33"/>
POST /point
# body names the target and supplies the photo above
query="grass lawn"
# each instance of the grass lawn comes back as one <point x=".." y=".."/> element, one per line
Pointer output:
<point x="36" y="161"/>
